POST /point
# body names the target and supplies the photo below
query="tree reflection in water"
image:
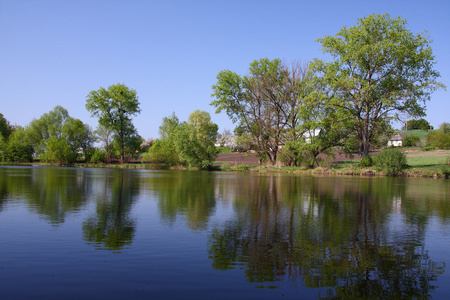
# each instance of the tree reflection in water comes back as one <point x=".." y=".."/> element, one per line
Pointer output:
<point x="112" y="228"/>
<point x="325" y="234"/>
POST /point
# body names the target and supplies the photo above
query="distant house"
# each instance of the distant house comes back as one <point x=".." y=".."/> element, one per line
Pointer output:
<point x="396" y="139"/>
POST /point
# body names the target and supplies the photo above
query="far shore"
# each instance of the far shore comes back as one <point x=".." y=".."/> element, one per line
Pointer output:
<point x="424" y="164"/>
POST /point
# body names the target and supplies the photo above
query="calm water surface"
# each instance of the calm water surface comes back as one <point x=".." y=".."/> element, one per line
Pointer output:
<point x="72" y="233"/>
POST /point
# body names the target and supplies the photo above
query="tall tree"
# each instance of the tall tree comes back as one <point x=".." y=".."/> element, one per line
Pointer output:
<point x="379" y="69"/>
<point x="263" y="103"/>
<point x="115" y="106"/>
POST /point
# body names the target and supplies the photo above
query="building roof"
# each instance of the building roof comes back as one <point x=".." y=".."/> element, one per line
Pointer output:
<point x="398" y="136"/>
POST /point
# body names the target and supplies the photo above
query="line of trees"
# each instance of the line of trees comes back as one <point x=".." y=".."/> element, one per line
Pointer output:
<point x="58" y="138"/>
<point x="378" y="69"/>
<point x="287" y="113"/>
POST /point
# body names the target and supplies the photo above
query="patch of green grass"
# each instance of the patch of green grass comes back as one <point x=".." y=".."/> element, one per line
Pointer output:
<point x="224" y="150"/>
<point x="422" y="134"/>
<point x="426" y="162"/>
<point x="242" y="167"/>
<point x="347" y="164"/>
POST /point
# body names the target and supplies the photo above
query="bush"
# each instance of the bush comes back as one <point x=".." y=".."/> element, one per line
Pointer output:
<point x="367" y="161"/>
<point x="439" y="139"/>
<point x="410" y="141"/>
<point x="58" y="151"/>
<point x="162" y="153"/>
<point x="391" y="161"/>
<point x="98" y="156"/>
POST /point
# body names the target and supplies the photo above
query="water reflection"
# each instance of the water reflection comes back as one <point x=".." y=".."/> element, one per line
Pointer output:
<point x="325" y="233"/>
<point x="112" y="227"/>
<point x="187" y="194"/>
<point x="52" y="193"/>
<point x="348" y="237"/>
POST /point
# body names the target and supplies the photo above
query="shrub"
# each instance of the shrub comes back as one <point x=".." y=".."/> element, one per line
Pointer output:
<point x="428" y="148"/>
<point x="367" y="161"/>
<point x="439" y="139"/>
<point x="162" y="153"/>
<point x="98" y="156"/>
<point x="58" y="151"/>
<point x="391" y="161"/>
<point x="410" y="141"/>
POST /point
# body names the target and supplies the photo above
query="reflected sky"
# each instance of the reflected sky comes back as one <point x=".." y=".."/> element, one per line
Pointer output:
<point x="163" y="233"/>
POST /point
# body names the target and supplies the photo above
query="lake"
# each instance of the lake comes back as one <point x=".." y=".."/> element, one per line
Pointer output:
<point x="79" y="233"/>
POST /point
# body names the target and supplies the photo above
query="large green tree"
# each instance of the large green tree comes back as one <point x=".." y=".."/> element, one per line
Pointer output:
<point x="264" y="103"/>
<point x="57" y="138"/>
<point x="114" y="106"/>
<point x="379" y="69"/>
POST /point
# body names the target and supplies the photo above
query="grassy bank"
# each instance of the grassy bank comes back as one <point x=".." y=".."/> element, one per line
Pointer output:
<point x="435" y="164"/>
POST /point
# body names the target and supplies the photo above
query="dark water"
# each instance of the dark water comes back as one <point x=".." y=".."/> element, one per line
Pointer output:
<point x="70" y="233"/>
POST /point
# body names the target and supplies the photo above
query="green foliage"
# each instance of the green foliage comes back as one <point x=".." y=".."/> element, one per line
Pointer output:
<point x="59" y="151"/>
<point x="300" y="153"/>
<point x="366" y="161"/>
<point x="162" y="153"/>
<point x="410" y="141"/>
<point x="241" y="167"/>
<point x="445" y="127"/>
<point x="115" y="106"/>
<point x="391" y="161"/>
<point x="264" y="104"/>
<point x="5" y="127"/>
<point x="421" y="124"/>
<point x="3" y="153"/>
<point x="378" y="67"/>
<point x="190" y="143"/>
<point x="79" y="136"/>
<point x="439" y="139"/>
<point x="194" y="151"/>
<point x="98" y="156"/>
<point x="47" y="126"/>
<point x="19" y="148"/>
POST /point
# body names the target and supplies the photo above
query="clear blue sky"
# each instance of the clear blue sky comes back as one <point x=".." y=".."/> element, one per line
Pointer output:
<point x="56" y="52"/>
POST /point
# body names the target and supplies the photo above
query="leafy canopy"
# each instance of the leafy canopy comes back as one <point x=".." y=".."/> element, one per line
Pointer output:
<point x="379" y="68"/>
<point x="114" y="106"/>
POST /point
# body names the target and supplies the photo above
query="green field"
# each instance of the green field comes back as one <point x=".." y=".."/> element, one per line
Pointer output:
<point x="422" y="134"/>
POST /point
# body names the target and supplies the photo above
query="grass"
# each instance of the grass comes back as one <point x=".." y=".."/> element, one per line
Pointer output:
<point x="422" y="134"/>
<point x="426" y="162"/>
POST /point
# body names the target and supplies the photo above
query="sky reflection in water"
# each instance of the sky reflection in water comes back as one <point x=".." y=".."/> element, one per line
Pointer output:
<point x="136" y="233"/>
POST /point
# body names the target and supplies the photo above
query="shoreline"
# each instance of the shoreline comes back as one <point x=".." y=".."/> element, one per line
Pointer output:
<point x="407" y="173"/>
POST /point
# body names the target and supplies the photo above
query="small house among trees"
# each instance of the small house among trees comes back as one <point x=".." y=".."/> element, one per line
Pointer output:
<point x="396" y="140"/>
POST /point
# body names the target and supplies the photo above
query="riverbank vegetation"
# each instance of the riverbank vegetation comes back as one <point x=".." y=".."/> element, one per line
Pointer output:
<point x="290" y="116"/>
